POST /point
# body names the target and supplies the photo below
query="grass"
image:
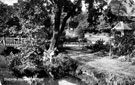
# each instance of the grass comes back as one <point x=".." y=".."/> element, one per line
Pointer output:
<point x="103" y="69"/>
<point x="106" y="71"/>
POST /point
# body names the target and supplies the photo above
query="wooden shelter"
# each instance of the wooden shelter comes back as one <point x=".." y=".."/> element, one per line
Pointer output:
<point x="121" y="27"/>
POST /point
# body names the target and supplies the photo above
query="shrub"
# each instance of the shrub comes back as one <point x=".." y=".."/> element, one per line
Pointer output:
<point x="30" y="63"/>
<point x="124" y="45"/>
<point x="26" y="63"/>
<point x="61" y="66"/>
<point x="99" y="46"/>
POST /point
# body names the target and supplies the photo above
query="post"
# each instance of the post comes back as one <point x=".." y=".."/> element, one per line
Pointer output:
<point x="110" y="51"/>
<point x="4" y="41"/>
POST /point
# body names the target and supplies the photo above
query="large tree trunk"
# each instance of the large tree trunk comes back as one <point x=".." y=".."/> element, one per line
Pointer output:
<point x="54" y="39"/>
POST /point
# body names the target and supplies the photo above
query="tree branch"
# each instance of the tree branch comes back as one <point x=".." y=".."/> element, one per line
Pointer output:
<point x="52" y="2"/>
<point x="68" y="16"/>
<point x="54" y="39"/>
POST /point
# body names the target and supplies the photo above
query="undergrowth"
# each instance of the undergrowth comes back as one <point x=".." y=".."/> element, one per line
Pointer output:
<point x="30" y="63"/>
<point x="93" y="76"/>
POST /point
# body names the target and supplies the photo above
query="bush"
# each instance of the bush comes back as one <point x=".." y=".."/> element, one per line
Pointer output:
<point x="26" y="63"/>
<point x="94" y="76"/>
<point x="30" y="63"/>
<point x="124" y="45"/>
<point x="61" y="66"/>
<point x="99" y="46"/>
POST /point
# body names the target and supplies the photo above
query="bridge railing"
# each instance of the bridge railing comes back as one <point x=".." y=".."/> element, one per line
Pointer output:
<point x="10" y="41"/>
<point x="14" y="41"/>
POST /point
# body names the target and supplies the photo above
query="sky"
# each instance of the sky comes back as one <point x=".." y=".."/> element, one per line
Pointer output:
<point x="9" y="2"/>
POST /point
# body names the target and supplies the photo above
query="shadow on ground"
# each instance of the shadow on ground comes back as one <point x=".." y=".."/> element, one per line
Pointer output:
<point x="84" y="59"/>
<point x="82" y="54"/>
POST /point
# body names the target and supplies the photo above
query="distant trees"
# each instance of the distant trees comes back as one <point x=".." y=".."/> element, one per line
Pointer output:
<point x="33" y="16"/>
<point x="83" y="25"/>
<point x="117" y="10"/>
<point x="95" y="9"/>
<point x="5" y="15"/>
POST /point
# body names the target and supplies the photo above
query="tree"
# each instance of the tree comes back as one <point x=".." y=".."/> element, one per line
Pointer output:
<point x="32" y="15"/>
<point x="116" y="11"/>
<point x="82" y="24"/>
<point x="95" y="9"/>
<point x="50" y="14"/>
<point x="5" y="15"/>
<point x="64" y="9"/>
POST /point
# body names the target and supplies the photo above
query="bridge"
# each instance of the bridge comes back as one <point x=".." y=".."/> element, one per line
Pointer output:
<point x="9" y="41"/>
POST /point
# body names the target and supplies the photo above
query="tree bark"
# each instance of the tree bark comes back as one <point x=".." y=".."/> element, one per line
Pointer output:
<point x="55" y="36"/>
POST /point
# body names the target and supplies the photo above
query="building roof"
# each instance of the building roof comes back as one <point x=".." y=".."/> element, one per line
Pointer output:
<point x="121" y="26"/>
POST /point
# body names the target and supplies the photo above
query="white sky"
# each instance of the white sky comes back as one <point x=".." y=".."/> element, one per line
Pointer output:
<point x="83" y="6"/>
<point x="9" y="2"/>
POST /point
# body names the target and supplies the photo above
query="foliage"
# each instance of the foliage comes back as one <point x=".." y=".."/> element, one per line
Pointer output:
<point x="132" y="25"/>
<point x="95" y="9"/>
<point x="124" y="45"/>
<point x="93" y="76"/>
<point x="83" y="24"/>
<point x="62" y="65"/>
<point x="30" y="63"/>
<point x="117" y="10"/>
<point x="99" y="46"/>
<point x="120" y="7"/>
<point x="32" y="16"/>
<point x="5" y="16"/>
<point x="25" y="18"/>
<point x="73" y="24"/>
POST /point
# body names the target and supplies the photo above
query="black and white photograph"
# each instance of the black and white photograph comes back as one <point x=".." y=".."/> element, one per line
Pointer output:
<point x="67" y="42"/>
